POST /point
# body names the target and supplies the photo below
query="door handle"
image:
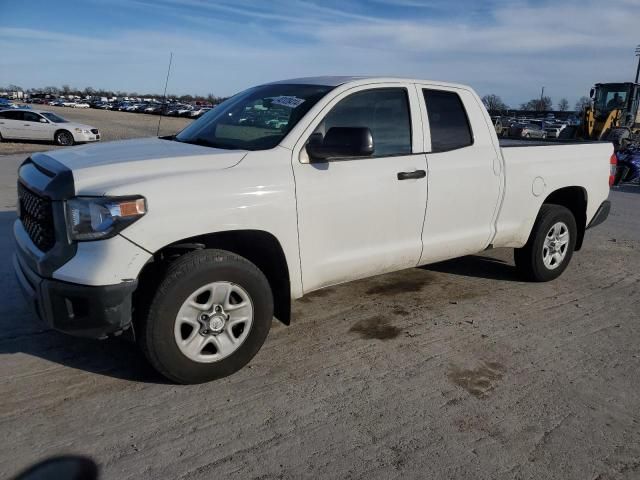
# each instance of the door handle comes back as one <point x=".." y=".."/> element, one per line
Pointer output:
<point x="411" y="175"/>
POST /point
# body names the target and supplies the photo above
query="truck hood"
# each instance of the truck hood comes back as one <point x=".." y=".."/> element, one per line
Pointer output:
<point x="106" y="167"/>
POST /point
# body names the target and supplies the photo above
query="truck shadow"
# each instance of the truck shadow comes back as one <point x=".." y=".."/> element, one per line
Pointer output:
<point x="21" y="332"/>
<point x="478" y="267"/>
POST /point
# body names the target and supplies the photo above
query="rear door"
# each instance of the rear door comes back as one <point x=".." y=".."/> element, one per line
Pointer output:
<point x="465" y="174"/>
<point x="11" y="124"/>
<point x="357" y="216"/>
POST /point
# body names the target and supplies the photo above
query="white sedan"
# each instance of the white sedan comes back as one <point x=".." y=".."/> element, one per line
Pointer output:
<point x="43" y="125"/>
<point x="81" y="105"/>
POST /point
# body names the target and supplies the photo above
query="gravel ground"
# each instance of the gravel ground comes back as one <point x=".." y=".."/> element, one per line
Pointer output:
<point x="457" y="370"/>
<point x="112" y="125"/>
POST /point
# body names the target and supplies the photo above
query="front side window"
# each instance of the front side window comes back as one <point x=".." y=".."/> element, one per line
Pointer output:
<point x="448" y="121"/>
<point x="256" y="119"/>
<point x="31" y="117"/>
<point x="384" y="111"/>
<point x="52" y="117"/>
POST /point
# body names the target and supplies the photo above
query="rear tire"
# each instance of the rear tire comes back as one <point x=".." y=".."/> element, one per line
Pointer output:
<point x="192" y="344"/>
<point x="550" y="247"/>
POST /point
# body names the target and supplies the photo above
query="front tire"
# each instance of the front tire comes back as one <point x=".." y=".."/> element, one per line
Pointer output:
<point x="550" y="246"/>
<point x="64" y="138"/>
<point x="209" y="317"/>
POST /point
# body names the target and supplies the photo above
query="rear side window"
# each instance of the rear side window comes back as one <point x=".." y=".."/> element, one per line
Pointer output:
<point x="385" y="111"/>
<point x="448" y="121"/>
<point x="13" y="115"/>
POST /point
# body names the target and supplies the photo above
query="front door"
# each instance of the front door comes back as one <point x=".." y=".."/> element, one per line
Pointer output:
<point x="362" y="216"/>
<point x="34" y="129"/>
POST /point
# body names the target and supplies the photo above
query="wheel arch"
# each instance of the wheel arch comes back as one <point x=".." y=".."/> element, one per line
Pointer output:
<point x="575" y="199"/>
<point x="258" y="246"/>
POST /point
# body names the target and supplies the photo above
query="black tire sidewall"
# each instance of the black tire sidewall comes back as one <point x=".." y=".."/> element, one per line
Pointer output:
<point x="64" y="132"/>
<point x="553" y="215"/>
<point x="164" y="351"/>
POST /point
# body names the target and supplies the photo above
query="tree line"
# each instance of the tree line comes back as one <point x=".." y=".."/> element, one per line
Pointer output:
<point x="494" y="103"/>
<point x="99" y="92"/>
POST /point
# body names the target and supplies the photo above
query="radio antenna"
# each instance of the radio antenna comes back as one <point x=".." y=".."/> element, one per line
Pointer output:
<point x="164" y="96"/>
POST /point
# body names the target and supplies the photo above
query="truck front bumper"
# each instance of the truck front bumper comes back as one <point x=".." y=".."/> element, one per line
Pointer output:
<point x="81" y="310"/>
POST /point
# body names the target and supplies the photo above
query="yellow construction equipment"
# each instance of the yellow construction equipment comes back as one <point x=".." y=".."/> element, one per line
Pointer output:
<point x="614" y="114"/>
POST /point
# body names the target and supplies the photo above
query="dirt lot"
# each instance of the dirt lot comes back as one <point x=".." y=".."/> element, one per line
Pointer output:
<point x="112" y="125"/>
<point x="458" y="370"/>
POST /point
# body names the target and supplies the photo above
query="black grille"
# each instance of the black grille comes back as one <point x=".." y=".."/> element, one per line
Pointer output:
<point x="36" y="216"/>
<point x="94" y="131"/>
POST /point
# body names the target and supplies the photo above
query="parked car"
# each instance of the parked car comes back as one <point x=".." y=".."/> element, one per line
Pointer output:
<point x="185" y="112"/>
<point x="81" y="105"/>
<point x="69" y="103"/>
<point x="131" y="235"/>
<point x="44" y="125"/>
<point x="501" y="126"/>
<point x="198" y="112"/>
<point x="553" y="131"/>
<point x="527" y="130"/>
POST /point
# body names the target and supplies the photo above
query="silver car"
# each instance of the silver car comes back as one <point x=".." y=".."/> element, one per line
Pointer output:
<point x="43" y="125"/>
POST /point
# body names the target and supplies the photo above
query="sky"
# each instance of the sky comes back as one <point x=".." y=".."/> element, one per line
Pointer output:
<point x="511" y="48"/>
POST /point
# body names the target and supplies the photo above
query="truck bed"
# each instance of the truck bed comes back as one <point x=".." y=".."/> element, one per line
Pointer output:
<point x="534" y="173"/>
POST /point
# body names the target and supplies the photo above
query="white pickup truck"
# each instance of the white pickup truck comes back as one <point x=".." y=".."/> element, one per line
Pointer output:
<point x="191" y="244"/>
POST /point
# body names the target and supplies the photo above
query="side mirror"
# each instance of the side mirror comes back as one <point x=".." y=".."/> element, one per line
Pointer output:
<point x="44" y="120"/>
<point x="340" y="142"/>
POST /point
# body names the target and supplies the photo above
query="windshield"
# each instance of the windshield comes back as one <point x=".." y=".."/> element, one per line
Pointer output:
<point x="610" y="97"/>
<point x="256" y="119"/>
<point x="52" y="117"/>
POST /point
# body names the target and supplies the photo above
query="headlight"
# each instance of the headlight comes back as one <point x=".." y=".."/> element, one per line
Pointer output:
<point x="97" y="218"/>
<point x="82" y="130"/>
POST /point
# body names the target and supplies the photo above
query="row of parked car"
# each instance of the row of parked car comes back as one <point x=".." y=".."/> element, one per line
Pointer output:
<point x="154" y="108"/>
<point x="528" y="127"/>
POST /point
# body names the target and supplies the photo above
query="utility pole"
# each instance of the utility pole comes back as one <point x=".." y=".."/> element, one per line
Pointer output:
<point x="638" y="70"/>
<point x="541" y="97"/>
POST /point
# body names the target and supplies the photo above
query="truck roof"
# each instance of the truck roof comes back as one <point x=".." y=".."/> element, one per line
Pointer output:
<point x="335" y="81"/>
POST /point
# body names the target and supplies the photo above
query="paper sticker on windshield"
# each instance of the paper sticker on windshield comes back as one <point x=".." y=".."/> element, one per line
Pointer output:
<point x="287" y="101"/>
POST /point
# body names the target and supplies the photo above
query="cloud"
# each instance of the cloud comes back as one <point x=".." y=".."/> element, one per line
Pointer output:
<point x="509" y="48"/>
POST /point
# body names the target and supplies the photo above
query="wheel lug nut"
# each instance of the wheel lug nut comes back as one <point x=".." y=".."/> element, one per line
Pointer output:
<point x="203" y="317"/>
<point x="218" y="309"/>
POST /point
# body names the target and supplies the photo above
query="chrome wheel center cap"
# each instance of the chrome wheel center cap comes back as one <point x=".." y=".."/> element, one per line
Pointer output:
<point x="216" y="323"/>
